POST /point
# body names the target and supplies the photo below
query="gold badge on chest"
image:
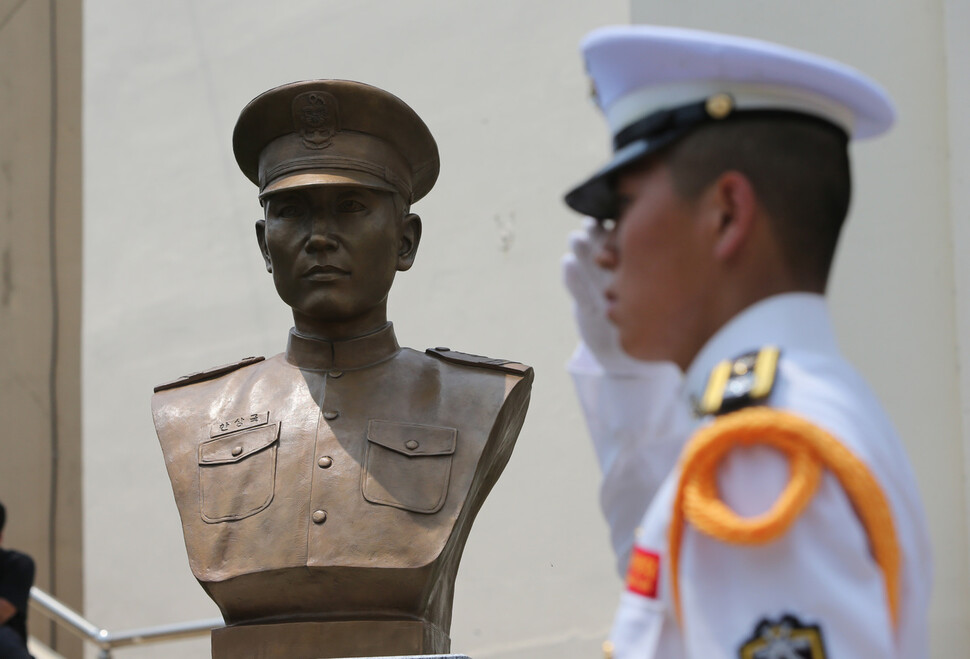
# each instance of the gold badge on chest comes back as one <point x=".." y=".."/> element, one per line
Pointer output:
<point x="786" y="638"/>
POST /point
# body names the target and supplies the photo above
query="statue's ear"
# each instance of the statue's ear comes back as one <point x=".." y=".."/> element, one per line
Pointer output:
<point x="410" y="237"/>
<point x="261" y="239"/>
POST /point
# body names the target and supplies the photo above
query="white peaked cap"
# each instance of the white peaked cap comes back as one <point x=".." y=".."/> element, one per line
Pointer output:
<point x="654" y="84"/>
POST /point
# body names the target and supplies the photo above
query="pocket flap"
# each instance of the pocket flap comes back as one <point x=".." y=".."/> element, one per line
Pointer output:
<point x="412" y="438"/>
<point x="235" y="447"/>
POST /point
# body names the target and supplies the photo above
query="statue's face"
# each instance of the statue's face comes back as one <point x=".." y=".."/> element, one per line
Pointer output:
<point x="334" y="249"/>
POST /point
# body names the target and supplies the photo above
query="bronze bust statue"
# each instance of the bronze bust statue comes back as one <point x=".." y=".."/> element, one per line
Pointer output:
<point x="326" y="493"/>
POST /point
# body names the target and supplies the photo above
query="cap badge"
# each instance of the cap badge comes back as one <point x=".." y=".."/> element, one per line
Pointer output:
<point x="315" y="118"/>
<point x="719" y="106"/>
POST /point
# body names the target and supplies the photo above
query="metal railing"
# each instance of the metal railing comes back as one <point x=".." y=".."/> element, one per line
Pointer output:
<point x="108" y="641"/>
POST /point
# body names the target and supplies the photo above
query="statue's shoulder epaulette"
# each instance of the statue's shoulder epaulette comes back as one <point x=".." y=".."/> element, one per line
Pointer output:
<point x="465" y="359"/>
<point x="740" y="382"/>
<point x="208" y="374"/>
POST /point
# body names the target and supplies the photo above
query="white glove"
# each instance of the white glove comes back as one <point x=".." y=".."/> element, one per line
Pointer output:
<point x="633" y="410"/>
<point x="587" y="282"/>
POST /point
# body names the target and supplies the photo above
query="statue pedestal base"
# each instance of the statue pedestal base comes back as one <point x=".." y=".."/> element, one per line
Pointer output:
<point x="341" y="639"/>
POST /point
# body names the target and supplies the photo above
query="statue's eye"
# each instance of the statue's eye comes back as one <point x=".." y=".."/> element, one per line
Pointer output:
<point x="289" y="211"/>
<point x="350" y="206"/>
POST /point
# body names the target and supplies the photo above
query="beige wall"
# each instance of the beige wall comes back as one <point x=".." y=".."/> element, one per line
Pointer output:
<point x="902" y="257"/>
<point x="956" y="20"/>
<point x="173" y="281"/>
<point x="40" y="301"/>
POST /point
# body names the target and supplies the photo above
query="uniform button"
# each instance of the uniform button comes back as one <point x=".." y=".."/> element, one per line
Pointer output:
<point x="236" y="450"/>
<point x="335" y="374"/>
<point x="330" y="415"/>
<point x="325" y="462"/>
<point x="319" y="516"/>
<point x="411" y="444"/>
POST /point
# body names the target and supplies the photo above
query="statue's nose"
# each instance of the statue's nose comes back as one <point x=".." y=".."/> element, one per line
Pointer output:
<point x="322" y="234"/>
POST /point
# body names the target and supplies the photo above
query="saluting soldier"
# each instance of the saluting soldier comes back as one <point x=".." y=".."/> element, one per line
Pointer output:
<point x="326" y="493"/>
<point x="790" y="525"/>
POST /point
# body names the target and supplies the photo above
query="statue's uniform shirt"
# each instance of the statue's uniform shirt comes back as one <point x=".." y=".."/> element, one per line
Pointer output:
<point x="337" y="480"/>
<point x="821" y="572"/>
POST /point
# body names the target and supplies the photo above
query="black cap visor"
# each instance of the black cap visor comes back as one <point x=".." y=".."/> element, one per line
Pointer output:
<point x="596" y="196"/>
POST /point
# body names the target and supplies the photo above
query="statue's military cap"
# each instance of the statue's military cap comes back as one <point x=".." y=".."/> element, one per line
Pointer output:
<point x="320" y="132"/>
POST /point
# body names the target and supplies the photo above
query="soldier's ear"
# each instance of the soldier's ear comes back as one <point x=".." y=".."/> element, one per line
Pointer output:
<point x="410" y="237"/>
<point x="733" y="199"/>
<point x="261" y="239"/>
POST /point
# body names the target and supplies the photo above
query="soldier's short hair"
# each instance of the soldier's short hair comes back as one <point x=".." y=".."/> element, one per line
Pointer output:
<point x="799" y="168"/>
<point x="3" y="516"/>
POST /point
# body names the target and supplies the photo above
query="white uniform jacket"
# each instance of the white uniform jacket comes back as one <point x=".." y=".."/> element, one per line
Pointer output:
<point x="815" y="591"/>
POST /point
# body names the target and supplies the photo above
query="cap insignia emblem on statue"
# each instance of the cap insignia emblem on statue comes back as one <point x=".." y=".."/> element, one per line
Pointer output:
<point x="315" y="118"/>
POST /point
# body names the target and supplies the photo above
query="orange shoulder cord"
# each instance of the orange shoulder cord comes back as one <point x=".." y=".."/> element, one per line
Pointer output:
<point x="809" y="449"/>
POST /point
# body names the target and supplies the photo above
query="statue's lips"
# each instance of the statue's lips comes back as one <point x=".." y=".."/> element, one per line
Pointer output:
<point x="325" y="273"/>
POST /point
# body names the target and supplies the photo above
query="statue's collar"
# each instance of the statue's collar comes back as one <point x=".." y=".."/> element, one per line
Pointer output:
<point x="360" y="352"/>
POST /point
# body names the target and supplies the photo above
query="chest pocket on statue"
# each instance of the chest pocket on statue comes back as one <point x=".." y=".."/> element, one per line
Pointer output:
<point x="408" y="465"/>
<point x="237" y="473"/>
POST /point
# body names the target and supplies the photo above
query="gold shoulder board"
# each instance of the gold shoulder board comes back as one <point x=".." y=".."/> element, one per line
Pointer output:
<point x="737" y="383"/>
